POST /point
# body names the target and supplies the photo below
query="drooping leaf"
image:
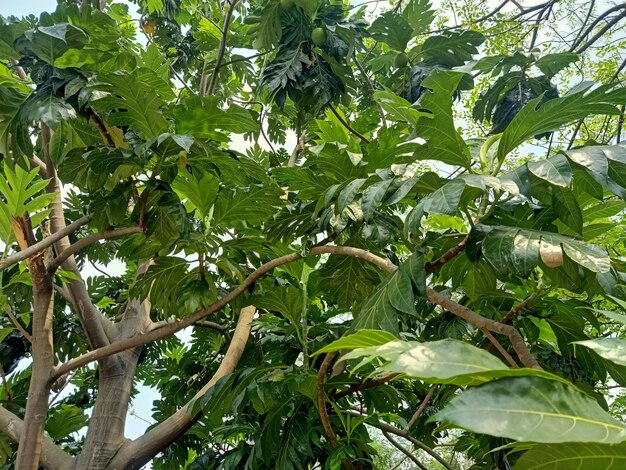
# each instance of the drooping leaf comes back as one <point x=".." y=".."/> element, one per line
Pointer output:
<point x="573" y="456"/>
<point x="611" y="349"/>
<point x="443" y="142"/>
<point x="532" y="409"/>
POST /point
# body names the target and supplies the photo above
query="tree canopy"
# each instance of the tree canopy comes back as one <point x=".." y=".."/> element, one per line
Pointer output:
<point x="323" y="234"/>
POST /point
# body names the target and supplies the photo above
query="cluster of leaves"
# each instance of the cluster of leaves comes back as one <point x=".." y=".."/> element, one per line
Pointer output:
<point x="135" y="136"/>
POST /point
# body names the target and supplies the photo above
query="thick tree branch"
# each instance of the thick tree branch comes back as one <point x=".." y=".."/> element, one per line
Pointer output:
<point x="163" y="330"/>
<point x="90" y="240"/>
<point x="32" y="439"/>
<point x="43" y="244"/>
<point x="137" y="453"/>
<point x="94" y="324"/>
<point x="52" y="456"/>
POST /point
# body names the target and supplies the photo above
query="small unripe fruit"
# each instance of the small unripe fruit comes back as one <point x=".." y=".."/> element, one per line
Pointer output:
<point x="401" y="60"/>
<point x="286" y="4"/>
<point x="318" y="36"/>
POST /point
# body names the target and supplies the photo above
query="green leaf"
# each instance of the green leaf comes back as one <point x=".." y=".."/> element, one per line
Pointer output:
<point x="392" y="29"/>
<point x="250" y="204"/>
<point x="573" y="456"/>
<point x="509" y="248"/>
<point x="534" y="119"/>
<point x="397" y="108"/>
<point x="200" y="189"/>
<point x="554" y="170"/>
<point x="446" y="199"/>
<point x="130" y="102"/>
<point x="64" y="420"/>
<point x="419" y="15"/>
<point x="551" y="64"/>
<point x="611" y="349"/>
<point x="203" y="117"/>
<point x="372" y="197"/>
<point x="532" y="409"/>
<point x="452" y="49"/>
<point x="393" y="297"/>
<point x="360" y="339"/>
<point x="567" y="209"/>
<point x="447" y="361"/>
<point x="443" y="142"/>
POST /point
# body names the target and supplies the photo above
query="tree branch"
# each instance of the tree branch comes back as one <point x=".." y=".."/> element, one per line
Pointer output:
<point x="43" y="244"/>
<point x="404" y="434"/>
<point x="90" y="240"/>
<point x="19" y="327"/>
<point x="347" y="125"/>
<point x="139" y="452"/>
<point x="162" y="330"/>
<point x="321" y="398"/>
<point x="94" y="324"/>
<point x="404" y="450"/>
<point x="422" y="407"/>
<point x="600" y="17"/>
<point x="221" y="49"/>
<point x="52" y="456"/>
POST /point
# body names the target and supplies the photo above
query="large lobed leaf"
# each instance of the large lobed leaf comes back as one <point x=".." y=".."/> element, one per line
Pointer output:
<point x="535" y="119"/>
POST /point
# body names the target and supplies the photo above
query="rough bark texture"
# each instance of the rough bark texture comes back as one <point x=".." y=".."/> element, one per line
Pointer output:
<point x="31" y="440"/>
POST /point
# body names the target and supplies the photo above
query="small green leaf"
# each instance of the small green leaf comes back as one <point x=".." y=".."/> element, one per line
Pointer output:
<point x="361" y="339"/>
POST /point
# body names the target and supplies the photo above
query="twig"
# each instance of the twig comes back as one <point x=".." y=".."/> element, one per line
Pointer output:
<point x="370" y="383"/>
<point x="404" y="450"/>
<point x="422" y="406"/>
<point x="371" y="88"/>
<point x="432" y="266"/>
<point x="17" y="324"/>
<point x="500" y="348"/>
<point x="600" y="17"/>
<point x="215" y="326"/>
<point x="600" y="33"/>
<point x="346" y="125"/>
<point x="399" y="432"/>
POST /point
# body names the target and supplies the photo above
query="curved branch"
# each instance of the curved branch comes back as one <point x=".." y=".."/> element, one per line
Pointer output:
<point x="321" y="398"/>
<point x="52" y="456"/>
<point x="600" y="33"/>
<point x="43" y="244"/>
<point x="90" y="240"/>
<point x="137" y="453"/>
<point x="163" y="330"/>
<point x="422" y="406"/>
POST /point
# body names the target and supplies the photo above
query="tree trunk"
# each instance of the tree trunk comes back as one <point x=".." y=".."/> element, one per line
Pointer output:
<point x="106" y="427"/>
<point x="31" y="441"/>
